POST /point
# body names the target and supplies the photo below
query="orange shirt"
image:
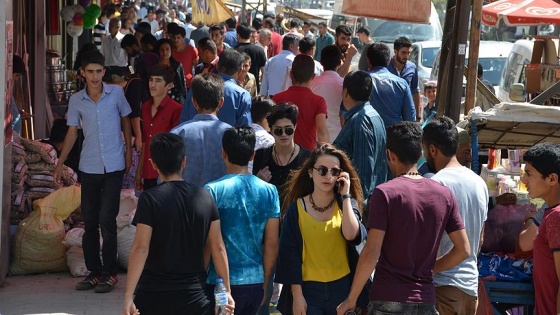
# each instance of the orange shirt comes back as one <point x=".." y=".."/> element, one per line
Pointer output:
<point x="188" y="58"/>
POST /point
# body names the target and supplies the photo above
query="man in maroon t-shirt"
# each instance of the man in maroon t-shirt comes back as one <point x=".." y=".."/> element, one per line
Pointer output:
<point x="542" y="173"/>
<point x="312" y="118"/>
<point x="407" y="218"/>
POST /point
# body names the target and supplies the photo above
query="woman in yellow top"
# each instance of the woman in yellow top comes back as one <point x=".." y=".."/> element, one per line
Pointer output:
<point x="321" y="223"/>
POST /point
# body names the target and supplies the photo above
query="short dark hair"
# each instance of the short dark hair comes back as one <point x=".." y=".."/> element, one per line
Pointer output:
<point x="442" y="133"/>
<point x="207" y="43"/>
<point x="168" y="152"/>
<point x="330" y="57"/>
<point x="174" y="29"/>
<point x="323" y="24"/>
<point x="295" y="22"/>
<point x="402" y="42"/>
<point x="239" y="144"/>
<point x="378" y="54"/>
<point x="160" y="42"/>
<point x="405" y="140"/>
<point x="188" y="18"/>
<point x="261" y="107"/>
<point x="365" y="30"/>
<point x="149" y="39"/>
<point x="480" y="70"/>
<point x="283" y="110"/>
<point x="257" y="23"/>
<point x="268" y="22"/>
<point x="93" y="56"/>
<point x="358" y="84"/>
<point x="343" y="29"/>
<point x="289" y="39"/>
<point x="230" y="61"/>
<point x="244" y="31"/>
<point x="303" y="68"/>
<point x="58" y="130"/>
<point x="545" y="158"/>
<point x="208" y="90"/>
<point x="231" y="23"/>
<point x="129" y="40"/>
<point x="144" y="28"/>
<point x="161" y="70"/>
<point x="306" y="45"/>
<point x="217" y="28"/>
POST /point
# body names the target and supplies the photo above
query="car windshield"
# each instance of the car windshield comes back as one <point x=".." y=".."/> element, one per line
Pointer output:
<point x="389" y="30"/>
<point x="493" y="69"/>
<point x="428" y="56"/>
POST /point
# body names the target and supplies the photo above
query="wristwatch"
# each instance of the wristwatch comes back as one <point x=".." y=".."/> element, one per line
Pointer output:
<point x="346" y="196"/>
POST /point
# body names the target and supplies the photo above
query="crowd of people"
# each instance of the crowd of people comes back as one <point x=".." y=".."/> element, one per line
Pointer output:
<point x="272" y="165"/>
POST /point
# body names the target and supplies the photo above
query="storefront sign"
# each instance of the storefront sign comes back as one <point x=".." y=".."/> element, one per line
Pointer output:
<point x="417" y="11"/>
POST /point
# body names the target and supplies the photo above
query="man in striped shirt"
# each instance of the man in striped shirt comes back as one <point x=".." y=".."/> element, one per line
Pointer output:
<point x="99" y="30"/>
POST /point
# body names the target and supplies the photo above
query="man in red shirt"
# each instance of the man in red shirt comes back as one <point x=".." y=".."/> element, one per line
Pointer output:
<point x="542" y="173"/>
<point x="159" y="114"/>
<point x="185" y="54"/>
<point x="312" y="118"/>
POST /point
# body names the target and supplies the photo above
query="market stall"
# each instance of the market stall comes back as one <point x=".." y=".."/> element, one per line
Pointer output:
<point x="511" y="128"/>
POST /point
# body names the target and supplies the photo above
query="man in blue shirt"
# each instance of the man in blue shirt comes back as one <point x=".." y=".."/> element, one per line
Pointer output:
<point x="363" y="135"/>
<point x="236" y="110"/>
<point x="401" y="67"/>
<point x="102" y="111"/>
<point x="323" y="40"/>
<point x="231" y="33"/>
<point x="203" y="133"/>
<point x="390" y="95"/>
<point x="250" y="219"/>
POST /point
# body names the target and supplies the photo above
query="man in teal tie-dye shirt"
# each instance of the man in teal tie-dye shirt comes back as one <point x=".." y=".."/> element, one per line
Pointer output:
<point x="250" y="217"/>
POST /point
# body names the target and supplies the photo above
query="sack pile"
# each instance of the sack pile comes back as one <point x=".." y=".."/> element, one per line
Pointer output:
<point x="34" y="163"/>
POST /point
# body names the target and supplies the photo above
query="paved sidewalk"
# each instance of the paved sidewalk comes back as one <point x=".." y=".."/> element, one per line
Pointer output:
<point x="55" y="294"/>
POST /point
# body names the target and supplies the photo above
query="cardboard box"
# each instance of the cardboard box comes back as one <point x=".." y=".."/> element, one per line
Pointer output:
<point x="543" y="71"/>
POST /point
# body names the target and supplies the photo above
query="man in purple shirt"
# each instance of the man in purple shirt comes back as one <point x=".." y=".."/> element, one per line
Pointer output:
<point x="407" y="218"/>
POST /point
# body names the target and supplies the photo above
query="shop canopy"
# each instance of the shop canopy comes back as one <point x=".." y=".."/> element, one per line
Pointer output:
<point x="521" y="12"/>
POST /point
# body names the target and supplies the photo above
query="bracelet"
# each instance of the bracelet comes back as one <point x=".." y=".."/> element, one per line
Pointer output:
<point x="346" y="196"/>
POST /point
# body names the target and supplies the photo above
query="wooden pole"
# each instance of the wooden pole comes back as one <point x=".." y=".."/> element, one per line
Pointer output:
<point x="441" y="96"/>
<point x="474" y="45"/>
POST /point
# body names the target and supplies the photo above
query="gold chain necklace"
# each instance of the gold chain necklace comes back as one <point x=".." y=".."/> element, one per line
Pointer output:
<point x="320" y="209"/>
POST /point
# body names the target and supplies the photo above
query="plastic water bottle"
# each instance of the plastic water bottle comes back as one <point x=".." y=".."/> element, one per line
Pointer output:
<point x="220" y="295"/>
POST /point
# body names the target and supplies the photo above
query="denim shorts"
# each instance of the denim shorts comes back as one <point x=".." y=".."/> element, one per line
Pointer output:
<point x="377" y="307"/>
<point x="323" y="297"/>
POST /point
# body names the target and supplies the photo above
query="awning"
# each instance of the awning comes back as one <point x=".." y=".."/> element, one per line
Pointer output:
<point x="521" y="12"/>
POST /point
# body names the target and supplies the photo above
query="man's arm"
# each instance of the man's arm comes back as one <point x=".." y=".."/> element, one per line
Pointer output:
<point x="244" y="114"/>
<point x="264" y="80"/>
<point x="408" y="109"/>
<point x="69" y="141"/>
<point x="366" y="265"/>
<point x="528" y="232"/>
<point x="215" y="244"/>
<point x="460" y="251"/>
<point x="345" y="68"/>
<point x="416" y="100"/>
<point x="322" y="130"/>
<point x="136" y="261"/>
<point x="271" y="241"/>
<point x="125" y="124"/>
<point x="556" y="255"/>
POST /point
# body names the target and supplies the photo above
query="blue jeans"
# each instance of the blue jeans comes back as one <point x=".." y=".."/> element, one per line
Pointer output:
<point x="101" y="195"/>
<point x="377" y="307"/>
<point x="323" y="297"/>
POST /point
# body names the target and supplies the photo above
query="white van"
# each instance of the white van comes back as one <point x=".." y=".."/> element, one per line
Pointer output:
<point x="514" y="69"/>
<point x="492" y="56"/>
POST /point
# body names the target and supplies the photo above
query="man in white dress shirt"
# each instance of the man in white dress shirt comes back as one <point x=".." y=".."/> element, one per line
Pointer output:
<point x="277" y="69"/>
<point x="116" y="60"/>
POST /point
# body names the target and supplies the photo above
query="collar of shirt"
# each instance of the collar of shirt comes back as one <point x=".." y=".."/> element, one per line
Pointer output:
<point x="107" y="89"/>
<point x="299" y="88"/>
<point x="166" y="100"/>
<point x="227" y="77"/>
<point x="407" y="65"/>
<point x="378" y="69"/>
<point x="354" y="110"/>
<point x="199" y="117"/>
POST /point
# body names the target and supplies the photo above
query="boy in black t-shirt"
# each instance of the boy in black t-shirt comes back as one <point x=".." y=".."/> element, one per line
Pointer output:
<point x="177" y="223"/>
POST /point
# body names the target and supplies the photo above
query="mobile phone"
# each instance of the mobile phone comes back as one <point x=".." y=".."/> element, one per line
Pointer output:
<point x="337" y="186"/>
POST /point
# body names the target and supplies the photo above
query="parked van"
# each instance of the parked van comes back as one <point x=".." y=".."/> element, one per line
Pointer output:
<point x="514" y="69"/>
<point x="492" y="56"/>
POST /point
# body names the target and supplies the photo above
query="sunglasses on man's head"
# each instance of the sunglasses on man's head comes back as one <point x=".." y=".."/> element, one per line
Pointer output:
<point x="279" y="131"/>
<point x="323" y="170"/>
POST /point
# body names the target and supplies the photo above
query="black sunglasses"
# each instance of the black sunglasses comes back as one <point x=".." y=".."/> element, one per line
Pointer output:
<point x="279" y="131"/>
<point x="323" y="170"/>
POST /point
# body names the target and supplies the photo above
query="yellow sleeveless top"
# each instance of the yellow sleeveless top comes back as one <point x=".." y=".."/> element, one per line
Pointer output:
<point x="325" y="255"/>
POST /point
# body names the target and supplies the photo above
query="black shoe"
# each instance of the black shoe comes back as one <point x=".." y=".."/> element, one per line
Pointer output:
<point x="106" y="283"/>
<point x="89" y="282"/>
